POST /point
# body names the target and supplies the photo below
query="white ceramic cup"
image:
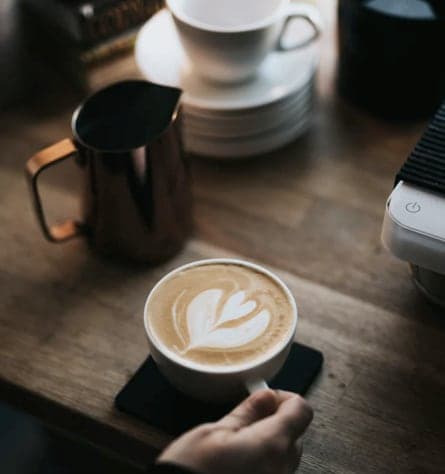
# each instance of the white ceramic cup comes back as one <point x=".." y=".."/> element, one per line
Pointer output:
<point x="226" y="40"/>
<point x="218" y="384"/>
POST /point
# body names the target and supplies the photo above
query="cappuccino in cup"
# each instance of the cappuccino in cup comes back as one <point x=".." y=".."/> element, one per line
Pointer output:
<point x="220" y="315"/>
<point x="217" y="325"/>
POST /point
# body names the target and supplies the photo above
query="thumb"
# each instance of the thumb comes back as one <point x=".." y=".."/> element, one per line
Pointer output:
<point x="290" y="420"/>
<point x="254" y="408"/>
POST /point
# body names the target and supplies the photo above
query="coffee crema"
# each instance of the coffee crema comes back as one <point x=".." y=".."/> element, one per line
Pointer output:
<point x="220" y="314"/>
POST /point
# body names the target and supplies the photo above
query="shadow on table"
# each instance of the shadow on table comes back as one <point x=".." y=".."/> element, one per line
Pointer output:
<point x="26" y="447"/>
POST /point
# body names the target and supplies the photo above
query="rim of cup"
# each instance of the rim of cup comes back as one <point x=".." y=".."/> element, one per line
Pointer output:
<point x="178" y="12"/>
<point x="236" y="368"/>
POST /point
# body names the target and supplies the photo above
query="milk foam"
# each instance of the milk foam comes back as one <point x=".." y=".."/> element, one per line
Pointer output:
<point x="220" y="314"/>
<point x="206" y="325"/>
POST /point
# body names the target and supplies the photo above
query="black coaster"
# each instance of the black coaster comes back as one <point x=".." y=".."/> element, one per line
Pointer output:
<point x="150" y="397"/>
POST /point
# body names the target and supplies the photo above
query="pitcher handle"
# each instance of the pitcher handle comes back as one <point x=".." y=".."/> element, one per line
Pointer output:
<point x="34" y="166"/>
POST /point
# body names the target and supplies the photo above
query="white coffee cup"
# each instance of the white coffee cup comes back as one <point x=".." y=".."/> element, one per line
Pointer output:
<point x="218" y="384"/>
<point x="226" y="40"/>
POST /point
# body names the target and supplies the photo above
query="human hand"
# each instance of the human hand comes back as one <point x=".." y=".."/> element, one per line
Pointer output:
<point x="261" y="436"/>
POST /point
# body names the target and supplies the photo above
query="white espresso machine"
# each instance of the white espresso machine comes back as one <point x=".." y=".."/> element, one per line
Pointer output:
<point x="414" y="222"/>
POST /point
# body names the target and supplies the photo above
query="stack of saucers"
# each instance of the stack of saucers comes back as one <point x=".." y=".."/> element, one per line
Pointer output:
<point x="236" y="120"/>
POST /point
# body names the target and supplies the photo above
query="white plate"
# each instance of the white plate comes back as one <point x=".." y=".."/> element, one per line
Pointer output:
<point x="238" y="128"/>
<point x="206" y="117"/>
<point x="161" y="59"/>
<point x="242" y="147"/>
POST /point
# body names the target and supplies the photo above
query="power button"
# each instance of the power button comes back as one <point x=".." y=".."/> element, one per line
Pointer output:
<point x="413" y="207"/>
<point x="418" y="210"/>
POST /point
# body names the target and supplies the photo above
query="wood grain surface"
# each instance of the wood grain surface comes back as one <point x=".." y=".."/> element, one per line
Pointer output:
<point x="71" y="330"/>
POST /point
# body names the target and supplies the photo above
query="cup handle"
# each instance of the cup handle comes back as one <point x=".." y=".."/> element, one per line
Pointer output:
<point x="255" y="385"/>
<point x="308" y="13"/>
<point x="34" y="166"/>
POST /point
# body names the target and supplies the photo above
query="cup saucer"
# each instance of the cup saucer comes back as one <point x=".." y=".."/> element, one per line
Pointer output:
<point x="161" y="59"/>
<point x="249" y="124"/>
<point x="245" y="147"/>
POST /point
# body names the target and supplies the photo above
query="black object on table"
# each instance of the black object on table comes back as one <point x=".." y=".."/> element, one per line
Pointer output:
<point x="150" y="397"/>
<point x="425" y="167"/>
<point x="391" y="59"/>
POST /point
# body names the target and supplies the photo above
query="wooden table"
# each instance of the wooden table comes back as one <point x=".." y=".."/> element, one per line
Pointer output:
<point x="71" y="331"/>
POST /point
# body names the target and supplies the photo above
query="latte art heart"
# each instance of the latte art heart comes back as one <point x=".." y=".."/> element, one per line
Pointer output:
<point x="206" y="327"/>
<point x="219" y="314"/>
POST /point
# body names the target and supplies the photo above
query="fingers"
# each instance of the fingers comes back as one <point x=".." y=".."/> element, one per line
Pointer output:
<point x="284" y="395"/>
<point x="254" y="408"/>
<point x="290" y="420"/>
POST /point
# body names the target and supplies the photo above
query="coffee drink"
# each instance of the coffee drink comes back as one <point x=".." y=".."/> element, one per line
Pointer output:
<point x="220" y="327"/>
<point x="220" y="314"/>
